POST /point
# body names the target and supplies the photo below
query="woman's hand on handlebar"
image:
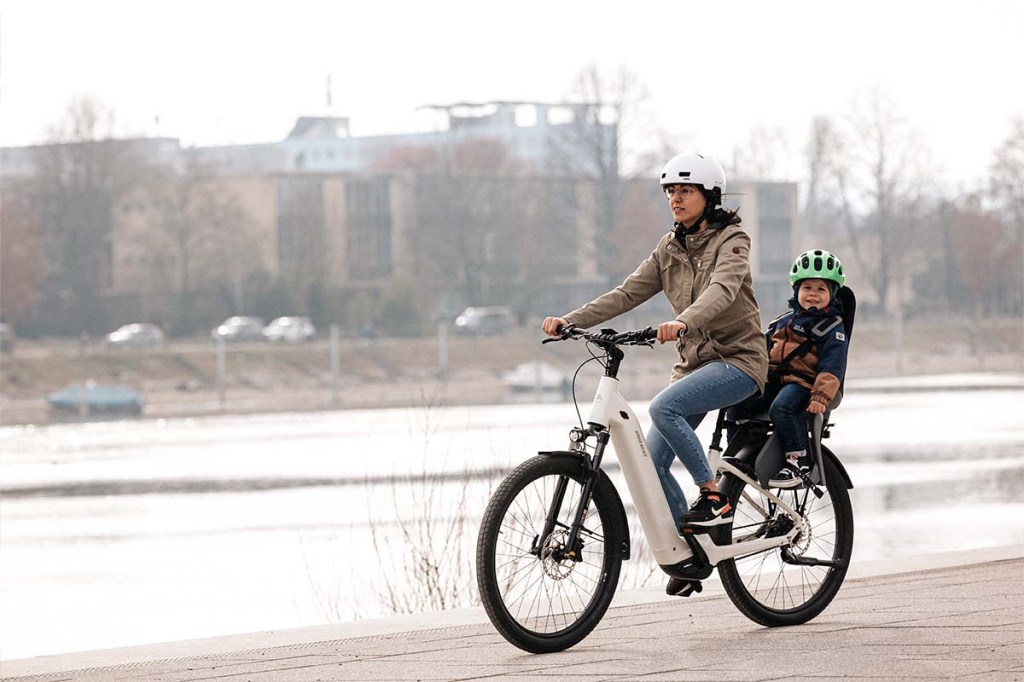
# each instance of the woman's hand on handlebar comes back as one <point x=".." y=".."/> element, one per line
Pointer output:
<point x="670" y="331"/>
<point x="552" y="325"/>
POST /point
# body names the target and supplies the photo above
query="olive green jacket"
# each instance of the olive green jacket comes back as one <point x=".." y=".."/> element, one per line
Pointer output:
<point x="707" y="281"/>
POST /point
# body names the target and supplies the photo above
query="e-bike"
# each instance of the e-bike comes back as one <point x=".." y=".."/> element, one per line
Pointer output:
<point x="555" y="532"/>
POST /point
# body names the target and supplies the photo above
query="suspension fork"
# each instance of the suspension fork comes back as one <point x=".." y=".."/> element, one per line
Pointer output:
<point x="591" y="467"/>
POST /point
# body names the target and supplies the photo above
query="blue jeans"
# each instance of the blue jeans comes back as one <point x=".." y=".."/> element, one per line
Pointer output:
<point x="786" y="404"/>
<point x="677" y="411"/>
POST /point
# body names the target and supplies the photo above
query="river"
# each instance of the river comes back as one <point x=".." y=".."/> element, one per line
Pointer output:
<point x="122" y="533"/>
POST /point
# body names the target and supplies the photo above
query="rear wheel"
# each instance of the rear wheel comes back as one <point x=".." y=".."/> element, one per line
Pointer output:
<point x="769" y="587"/>
<point x="541" y="594"/>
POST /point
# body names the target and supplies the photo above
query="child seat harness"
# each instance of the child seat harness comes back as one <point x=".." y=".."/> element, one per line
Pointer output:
<point x="818" y="332"/>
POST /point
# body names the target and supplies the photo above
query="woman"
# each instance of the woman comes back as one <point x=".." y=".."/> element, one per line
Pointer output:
<point x="703" y="266"/>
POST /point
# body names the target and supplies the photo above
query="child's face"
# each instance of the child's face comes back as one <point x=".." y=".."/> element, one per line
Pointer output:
<point x="813" y="293"/>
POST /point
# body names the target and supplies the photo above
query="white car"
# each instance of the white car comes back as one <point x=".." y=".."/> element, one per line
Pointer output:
<point x="137" y="335"/>
<point x="482" y="321"/>
<point x="239" y="328"/>
<point x="290" y="329"/>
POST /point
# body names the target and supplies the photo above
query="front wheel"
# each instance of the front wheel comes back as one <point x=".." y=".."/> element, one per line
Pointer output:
<point x="541" y="594"/>
<point x="774" y="588"/>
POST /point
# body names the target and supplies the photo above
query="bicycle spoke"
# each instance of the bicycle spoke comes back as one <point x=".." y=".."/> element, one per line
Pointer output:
<point x="778" y="591"/>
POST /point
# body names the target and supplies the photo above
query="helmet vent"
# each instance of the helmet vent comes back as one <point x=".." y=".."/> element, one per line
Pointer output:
<point x="817" y="264"/>
<point x="684" y="174"/>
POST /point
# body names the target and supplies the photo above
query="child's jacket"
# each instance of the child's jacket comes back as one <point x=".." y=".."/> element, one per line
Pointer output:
<point x="822" y="368"/>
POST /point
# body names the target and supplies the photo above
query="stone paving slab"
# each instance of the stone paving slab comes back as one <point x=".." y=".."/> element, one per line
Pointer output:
<point x="963" y="622"/>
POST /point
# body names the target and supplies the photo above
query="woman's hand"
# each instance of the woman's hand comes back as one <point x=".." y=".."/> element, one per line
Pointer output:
<point x="670" y="331"/>
<point x="815" y="407"/>
<point x="551" y="325"/>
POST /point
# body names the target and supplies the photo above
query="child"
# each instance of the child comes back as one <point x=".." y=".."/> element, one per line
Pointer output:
<point x="807" y="379"/>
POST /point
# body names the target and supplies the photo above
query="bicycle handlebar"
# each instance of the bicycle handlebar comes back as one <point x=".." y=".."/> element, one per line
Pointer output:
<point x="638" y="337"/>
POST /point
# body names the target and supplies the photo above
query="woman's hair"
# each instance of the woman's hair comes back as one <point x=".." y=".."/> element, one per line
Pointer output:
<point x="722" y="216"/>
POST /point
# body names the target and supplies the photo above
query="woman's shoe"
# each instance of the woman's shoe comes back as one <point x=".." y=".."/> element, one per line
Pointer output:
<point x="711" y="509"/>
<point x="682" y="587"/>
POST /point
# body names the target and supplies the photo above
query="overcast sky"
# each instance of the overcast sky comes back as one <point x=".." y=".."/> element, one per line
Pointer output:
<point x="222" y="72"/>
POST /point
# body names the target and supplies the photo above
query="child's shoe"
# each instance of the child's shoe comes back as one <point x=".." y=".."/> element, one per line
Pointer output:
<point x="789" y="477"/>
<point x="711" y="509"/>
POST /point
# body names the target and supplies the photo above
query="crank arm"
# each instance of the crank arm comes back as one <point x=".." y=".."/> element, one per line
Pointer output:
<point x="791" y="558"/>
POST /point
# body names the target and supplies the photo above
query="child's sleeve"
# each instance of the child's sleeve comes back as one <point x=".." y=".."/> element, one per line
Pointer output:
<point x="831" y="366"/>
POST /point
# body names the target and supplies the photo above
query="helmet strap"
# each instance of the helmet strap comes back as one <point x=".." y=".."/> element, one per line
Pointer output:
<point x="710" y="205"/>
<point x="682" y="230"/>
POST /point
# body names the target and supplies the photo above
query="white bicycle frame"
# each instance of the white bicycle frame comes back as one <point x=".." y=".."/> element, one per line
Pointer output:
<point x="611" y="411"/>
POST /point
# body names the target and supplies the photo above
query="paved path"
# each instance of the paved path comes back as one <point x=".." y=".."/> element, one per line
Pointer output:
<point x="963" y="622"/>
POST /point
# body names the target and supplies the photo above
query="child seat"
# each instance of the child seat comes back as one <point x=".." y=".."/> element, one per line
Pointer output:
<point x="770" y="457"/>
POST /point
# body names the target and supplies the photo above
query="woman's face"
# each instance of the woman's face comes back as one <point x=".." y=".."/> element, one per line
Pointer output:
<point x="687" y="203"/>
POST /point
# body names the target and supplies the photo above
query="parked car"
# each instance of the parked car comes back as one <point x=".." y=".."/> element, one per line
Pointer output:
<point x="290" y="329"/>
<point x="136" y="335"/>
<point x="479" y="321"/>
<point x="239" y="328"/>
<point x="6" y="337"/>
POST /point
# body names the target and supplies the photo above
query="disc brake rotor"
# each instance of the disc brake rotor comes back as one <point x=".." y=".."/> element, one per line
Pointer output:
<point x="556" y="565"/>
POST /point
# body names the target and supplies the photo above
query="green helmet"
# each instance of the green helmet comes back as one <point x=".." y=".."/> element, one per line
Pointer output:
<point x="817" y="264"/>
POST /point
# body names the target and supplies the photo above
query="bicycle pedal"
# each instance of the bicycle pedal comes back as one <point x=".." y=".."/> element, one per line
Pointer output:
<point x="691" y="587"/>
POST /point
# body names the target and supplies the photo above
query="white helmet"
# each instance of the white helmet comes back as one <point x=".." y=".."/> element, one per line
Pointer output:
<point x="694" y="169"/>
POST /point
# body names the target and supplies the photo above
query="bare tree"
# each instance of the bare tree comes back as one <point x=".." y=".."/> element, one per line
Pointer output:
<point x="763" y="156"/>
<point x="608" y="107"/>
<point x="1007" y="176"/>
<point x="1007" y="192"/>
<point x="977" y="240"/>
<point x="468" y="214"/>
<point x="195" y="241"/>
<point x="80" y="177"/>
<point x="872" y="178"/>
<point x="824" y="144"/>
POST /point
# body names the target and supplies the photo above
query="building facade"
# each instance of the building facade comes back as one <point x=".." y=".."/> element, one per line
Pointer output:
<point x="341" y="227"/>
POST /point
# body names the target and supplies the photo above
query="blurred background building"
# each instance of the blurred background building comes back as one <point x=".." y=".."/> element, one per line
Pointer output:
<point x="509" y="203"/>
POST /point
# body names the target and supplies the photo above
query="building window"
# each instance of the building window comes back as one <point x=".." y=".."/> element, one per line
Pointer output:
<point x="301" y="243"/>
<point x="369" y="223"/>
<point x="774" y="244"/>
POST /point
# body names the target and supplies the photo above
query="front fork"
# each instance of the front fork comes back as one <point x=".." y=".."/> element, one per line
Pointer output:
<point x="591" y="467"/>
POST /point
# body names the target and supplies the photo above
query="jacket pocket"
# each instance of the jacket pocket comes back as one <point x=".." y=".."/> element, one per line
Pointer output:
<point x="707" y="349"/>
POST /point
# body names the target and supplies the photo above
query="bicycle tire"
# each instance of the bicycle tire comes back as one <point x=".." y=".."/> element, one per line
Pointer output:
<point x="538" y="602"/>
<point x="767" y="589"/>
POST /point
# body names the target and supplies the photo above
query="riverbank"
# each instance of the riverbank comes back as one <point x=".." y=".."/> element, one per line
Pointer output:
<point x="182" y="378"/>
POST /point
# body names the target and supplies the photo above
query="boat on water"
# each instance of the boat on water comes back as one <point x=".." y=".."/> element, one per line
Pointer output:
<point x="536" y="376"/>
<point x="96" y="400"/>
